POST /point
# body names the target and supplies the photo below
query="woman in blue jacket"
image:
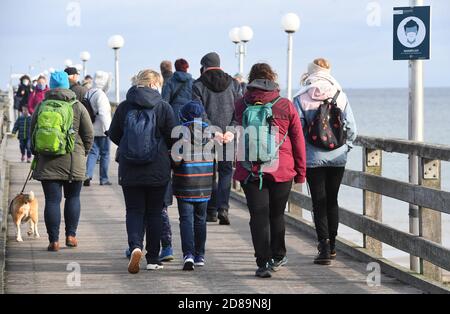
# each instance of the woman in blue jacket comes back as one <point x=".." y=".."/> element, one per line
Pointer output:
<point x="325" y="168"/>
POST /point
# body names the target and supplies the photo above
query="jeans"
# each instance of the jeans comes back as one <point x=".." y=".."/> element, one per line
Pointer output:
<point x="166" y="234"/>
<point x="52" y="211"/>
<point x="267" y="224"/>
<point x="324" y="183"/>
<point x="144" y="205"/>
<point x="192" y="227"/>
<point x="100" y="148"/>
<point x="220" y="196"/>
<point x="25" y="147"/>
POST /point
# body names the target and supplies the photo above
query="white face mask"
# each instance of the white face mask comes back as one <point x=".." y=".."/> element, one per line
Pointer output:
<point x="157" y="88"/>
<point x="25" y="82"/>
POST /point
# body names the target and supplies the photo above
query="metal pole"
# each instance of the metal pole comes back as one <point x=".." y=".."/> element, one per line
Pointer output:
<point x="116" y="55"/>
<point x="415" y="133"/>
<point x="289" y="66"/>
<point x="241" y="58"/>
<point x="84" y="69"/>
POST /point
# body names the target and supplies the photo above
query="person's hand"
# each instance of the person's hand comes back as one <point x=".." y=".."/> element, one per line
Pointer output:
<point x="218" y="137"/>
<point x="228" y="137"/>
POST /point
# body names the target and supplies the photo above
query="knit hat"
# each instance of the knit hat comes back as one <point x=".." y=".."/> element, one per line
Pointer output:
<point x="314" y="68"/>
<point x="71" y="71"/>
<point x="211" y="60"/>
<point x="59" y="79"/>
<point x="191" y="111"/>
<point x="181" y="65"/>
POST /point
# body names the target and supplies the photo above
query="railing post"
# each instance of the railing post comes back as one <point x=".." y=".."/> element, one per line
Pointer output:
<point x="372" y="202"/>
<point x="430" y="223"/>
<point x="294" y="209"/>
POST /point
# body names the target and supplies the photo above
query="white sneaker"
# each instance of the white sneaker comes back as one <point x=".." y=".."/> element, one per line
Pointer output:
<point x="188" y="263"/>
<point x="135" y="259"/>
<point x="155" y="266"/>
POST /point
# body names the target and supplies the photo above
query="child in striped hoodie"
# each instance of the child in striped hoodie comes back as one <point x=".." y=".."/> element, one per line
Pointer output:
<point x="192" y="185"/>
<point x="23" y="125"/>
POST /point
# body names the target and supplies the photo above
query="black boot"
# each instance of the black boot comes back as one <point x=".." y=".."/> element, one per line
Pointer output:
<point x="223" y="217"/>
<point x="333" y="248"/>
<point x="211" y="216"/>
<point x="324" y="256"/>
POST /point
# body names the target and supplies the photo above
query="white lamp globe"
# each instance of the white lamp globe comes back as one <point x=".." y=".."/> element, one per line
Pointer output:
<point x="234" y="35"/>
<point x="79" y="67"/>
<point x="68" y="63"/>
<point x="290" y="23"/>
<point x="245" y="33"/>
<point x="51" y="70"/>
<point x="116" y="42"/>
<point x="85" y="56"/>
<point x="45" y="73"/>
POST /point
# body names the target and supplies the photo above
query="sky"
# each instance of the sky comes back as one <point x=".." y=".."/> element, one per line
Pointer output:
<point x="355" y="35"/>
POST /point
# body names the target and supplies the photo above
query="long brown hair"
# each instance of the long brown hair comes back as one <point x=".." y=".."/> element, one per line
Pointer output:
<point x="262" y="71"/>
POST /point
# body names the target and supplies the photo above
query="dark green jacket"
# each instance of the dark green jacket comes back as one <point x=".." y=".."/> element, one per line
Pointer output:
<point x="70" y="166"/>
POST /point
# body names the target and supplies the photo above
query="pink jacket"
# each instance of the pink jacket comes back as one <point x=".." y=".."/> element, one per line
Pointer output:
<point x="36" y="97"/>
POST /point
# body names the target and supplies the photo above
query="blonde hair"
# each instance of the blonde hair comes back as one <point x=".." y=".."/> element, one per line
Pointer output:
<point x="147" y="78"/>
<point x="323" y="63"/>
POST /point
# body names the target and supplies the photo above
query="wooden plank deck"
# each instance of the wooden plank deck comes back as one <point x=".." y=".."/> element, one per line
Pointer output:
<point x="230" y="263"/>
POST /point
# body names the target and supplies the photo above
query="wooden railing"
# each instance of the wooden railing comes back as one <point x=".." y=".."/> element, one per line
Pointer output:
<point x="427" y="195"/>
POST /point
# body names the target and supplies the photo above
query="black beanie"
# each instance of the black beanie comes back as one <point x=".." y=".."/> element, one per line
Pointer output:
<point x="211" y="60"/>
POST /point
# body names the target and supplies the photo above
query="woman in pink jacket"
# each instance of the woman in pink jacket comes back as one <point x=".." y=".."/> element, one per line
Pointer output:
<point x="38" y="95"/>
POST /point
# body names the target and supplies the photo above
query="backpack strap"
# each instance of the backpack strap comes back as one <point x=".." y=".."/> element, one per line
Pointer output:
<point x="336" y="96"/>
<point x="177" y="92"/>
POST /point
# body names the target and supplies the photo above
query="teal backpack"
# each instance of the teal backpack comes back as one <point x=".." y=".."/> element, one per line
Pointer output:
<point x="261" y="149"/>
<point x="53" y="134"/>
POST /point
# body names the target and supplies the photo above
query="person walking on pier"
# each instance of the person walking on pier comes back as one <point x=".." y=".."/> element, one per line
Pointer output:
<point x="166" y="71"/>
<point x="142" y="127"/>
<point x="267" y="186"/>
<point x="192" y="185"/>
<point x="62" y="135"/>
<point x="326" y="159"/>
<point x="23" y="93"/>
<point x="75" y="86"/>
<point x="38" y="94"/>
<point x="23" y="125"/>
<point x="97" y="99"/>
<point x="218" y="92"/>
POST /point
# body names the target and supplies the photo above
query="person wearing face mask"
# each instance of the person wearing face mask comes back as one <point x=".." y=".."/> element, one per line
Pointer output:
<point x="38" y="95"/>
<point x="23" y="93"/>
<point x="144" y="163"/>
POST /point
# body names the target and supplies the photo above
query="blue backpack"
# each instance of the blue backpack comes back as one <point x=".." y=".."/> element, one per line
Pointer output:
<point x="140" y="143"/>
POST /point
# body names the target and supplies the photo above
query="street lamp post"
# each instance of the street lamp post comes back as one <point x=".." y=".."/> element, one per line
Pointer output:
<point x="85" y="56"/>
<point x="116" y="42"/>
<point x="291" y="24"/>
<point x="241" y="36"/>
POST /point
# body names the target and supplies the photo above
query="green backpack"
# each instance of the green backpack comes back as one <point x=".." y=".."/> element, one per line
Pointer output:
<point x="53" y="134"/>
<point x="260" y="144"/>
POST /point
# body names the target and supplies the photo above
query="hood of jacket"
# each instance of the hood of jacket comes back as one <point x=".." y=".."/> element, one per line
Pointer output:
<point x="144" y="97"/>
<point x="263" y="91"/>
<point x="61" y="94"/>
<point x="182" y="76"/>
<point x="216" y="80"/>
<point x="102" y="80"/>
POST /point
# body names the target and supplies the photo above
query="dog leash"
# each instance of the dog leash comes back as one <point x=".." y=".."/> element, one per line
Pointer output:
<point x="30" y="174"/>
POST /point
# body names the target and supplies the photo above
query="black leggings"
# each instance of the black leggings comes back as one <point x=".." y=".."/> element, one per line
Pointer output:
<point x="324" y="183"/>
<point x="267" y="226"/>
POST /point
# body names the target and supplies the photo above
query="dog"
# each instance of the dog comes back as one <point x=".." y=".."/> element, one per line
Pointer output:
<point x="24" y="208"/>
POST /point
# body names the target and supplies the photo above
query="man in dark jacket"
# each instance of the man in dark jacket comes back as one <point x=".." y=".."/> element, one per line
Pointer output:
<point x="75" y="86"/>
<point x="218" y="92"/>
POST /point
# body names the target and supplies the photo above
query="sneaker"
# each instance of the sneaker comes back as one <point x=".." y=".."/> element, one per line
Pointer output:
<point x="106" y="183"/>
<point x="211" y="217"/>
<point x="28" y="160"/>
<point x="275" y="264"/>
<point x="263" y="272"/>
<point x="135" y="259"/>
<point x="155" y="266"/>
<point x="22" y="159"/>
<point x="166" y="254"/>
<point x="87" y="182"/>
<point x="199" y="261"/>
<point x="324" y="256"/>
<point x="128" y="253"/>
<point x="223" y="217"/>
<point x="188" y="263"/>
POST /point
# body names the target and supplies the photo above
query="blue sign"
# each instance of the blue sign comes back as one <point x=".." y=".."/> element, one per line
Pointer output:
<point x="412" y="33"/>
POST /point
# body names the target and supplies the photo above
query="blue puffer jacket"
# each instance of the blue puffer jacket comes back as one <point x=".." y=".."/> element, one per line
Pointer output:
<point x="23" y="125"/>
<point x="182" y="81"/>
<point x="307" y="104"/>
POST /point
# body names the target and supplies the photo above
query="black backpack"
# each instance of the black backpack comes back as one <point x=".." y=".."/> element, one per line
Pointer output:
<point x="87" y="104"/>
<point x="326" y="130"/>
